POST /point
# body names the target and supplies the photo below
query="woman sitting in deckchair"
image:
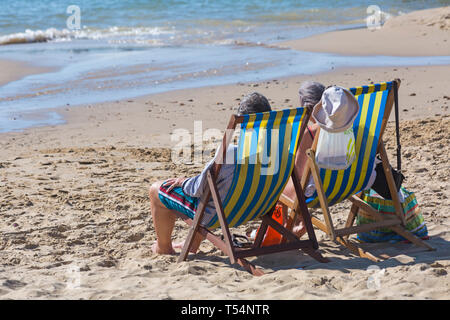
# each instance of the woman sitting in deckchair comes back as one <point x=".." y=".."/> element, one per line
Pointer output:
<point x="310" y="93"/>
<point x="338" y="101"/>
<point x="182" y="194"/>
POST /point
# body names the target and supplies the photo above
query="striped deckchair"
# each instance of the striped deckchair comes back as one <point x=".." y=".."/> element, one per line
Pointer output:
<point x="334" y="186"/>
<point x="266" y="148"/>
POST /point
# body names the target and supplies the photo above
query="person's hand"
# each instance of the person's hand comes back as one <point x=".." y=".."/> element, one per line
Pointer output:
<point x="175" y="182"/>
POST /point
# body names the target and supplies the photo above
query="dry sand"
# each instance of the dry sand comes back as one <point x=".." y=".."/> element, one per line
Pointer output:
<point x="420" y="33"/>
<point x="87" y="207"/>
<point x="74" y="197"/>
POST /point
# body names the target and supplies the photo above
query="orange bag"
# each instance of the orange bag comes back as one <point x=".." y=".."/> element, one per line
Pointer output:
<point x="273" y="237"/>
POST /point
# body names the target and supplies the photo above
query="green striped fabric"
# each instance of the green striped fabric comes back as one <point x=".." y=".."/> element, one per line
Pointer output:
<point x="415" y="222"/>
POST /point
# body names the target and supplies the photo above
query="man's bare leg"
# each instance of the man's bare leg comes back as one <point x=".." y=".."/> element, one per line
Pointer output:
<point x="164" y="222"/>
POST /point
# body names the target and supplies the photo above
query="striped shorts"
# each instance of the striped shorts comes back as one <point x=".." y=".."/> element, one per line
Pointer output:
<point x="176" y="199"/>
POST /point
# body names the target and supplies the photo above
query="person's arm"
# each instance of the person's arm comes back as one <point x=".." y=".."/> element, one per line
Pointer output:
<point x="195" y="186"/>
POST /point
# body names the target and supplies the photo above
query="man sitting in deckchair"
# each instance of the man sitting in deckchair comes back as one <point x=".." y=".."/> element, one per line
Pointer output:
<point x="182" y="194"/>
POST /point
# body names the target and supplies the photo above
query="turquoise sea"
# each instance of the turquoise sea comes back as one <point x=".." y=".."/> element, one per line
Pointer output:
<point x="116" y="49"/>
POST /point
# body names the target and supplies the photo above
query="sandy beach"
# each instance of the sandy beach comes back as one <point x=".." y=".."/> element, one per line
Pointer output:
<point x="76" y="220"/>
<point x="419" y="33"/>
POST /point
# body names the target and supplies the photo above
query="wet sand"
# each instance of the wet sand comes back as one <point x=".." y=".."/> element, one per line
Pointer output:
<point x="15" y="70"/>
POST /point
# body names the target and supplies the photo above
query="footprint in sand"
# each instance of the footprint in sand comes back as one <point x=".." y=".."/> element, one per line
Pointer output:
<point x="14" y="284"/>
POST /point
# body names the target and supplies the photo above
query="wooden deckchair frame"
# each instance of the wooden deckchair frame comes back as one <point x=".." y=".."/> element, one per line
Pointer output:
<point x="238" y="255"/>
<point x="341" y="235"/>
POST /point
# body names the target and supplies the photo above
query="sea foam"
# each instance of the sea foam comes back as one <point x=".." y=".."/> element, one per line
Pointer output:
<point x="53" y="34"/>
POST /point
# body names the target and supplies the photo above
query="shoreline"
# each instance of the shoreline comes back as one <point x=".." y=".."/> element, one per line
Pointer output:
<point x="423" y="92"/>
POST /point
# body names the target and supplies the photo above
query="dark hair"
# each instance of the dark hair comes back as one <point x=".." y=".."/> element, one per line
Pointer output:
<point x="310" y="93"/>
<point x="254" y="103"/>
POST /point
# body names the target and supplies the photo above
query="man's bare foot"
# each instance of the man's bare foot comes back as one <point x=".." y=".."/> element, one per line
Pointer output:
<point x="180" y="245"/>
<point x="156" y="249"/>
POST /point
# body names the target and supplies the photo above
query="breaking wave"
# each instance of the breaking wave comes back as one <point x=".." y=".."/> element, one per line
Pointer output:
<point x="52" y="34"/>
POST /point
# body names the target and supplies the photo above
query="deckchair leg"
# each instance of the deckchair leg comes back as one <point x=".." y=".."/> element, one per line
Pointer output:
<point x="304" y="210"/>
<point x="391" y="182"/>
<point x="288" y="222"/>
<point x="351" y="218"/>
<point x="321" y="194"/>
<point x="353" y="247"/>
<point x="311" y="250"/>
<point x="357" y="250"/>
<point x="222" y="218"/>
<point x="262" y="230"/>
<point x="397" y="204"/>
<point x="412" y="238"/>
<point x="260" y="236"/>
<point x="315" y="254"/>
<point x="347" y="243"/>
<point x="195" y="225"/>
<point x="250" y="267"/>
<point x="211" y="190"/>
<point x="220" y="244"/>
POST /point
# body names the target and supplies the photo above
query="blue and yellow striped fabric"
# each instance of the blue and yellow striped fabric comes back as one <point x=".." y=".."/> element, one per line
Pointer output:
<point x="265" y="160"/>
<point x="341" y="184"/>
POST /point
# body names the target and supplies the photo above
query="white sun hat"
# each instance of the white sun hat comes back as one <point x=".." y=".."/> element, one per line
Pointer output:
<point x="337" y="109"/>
